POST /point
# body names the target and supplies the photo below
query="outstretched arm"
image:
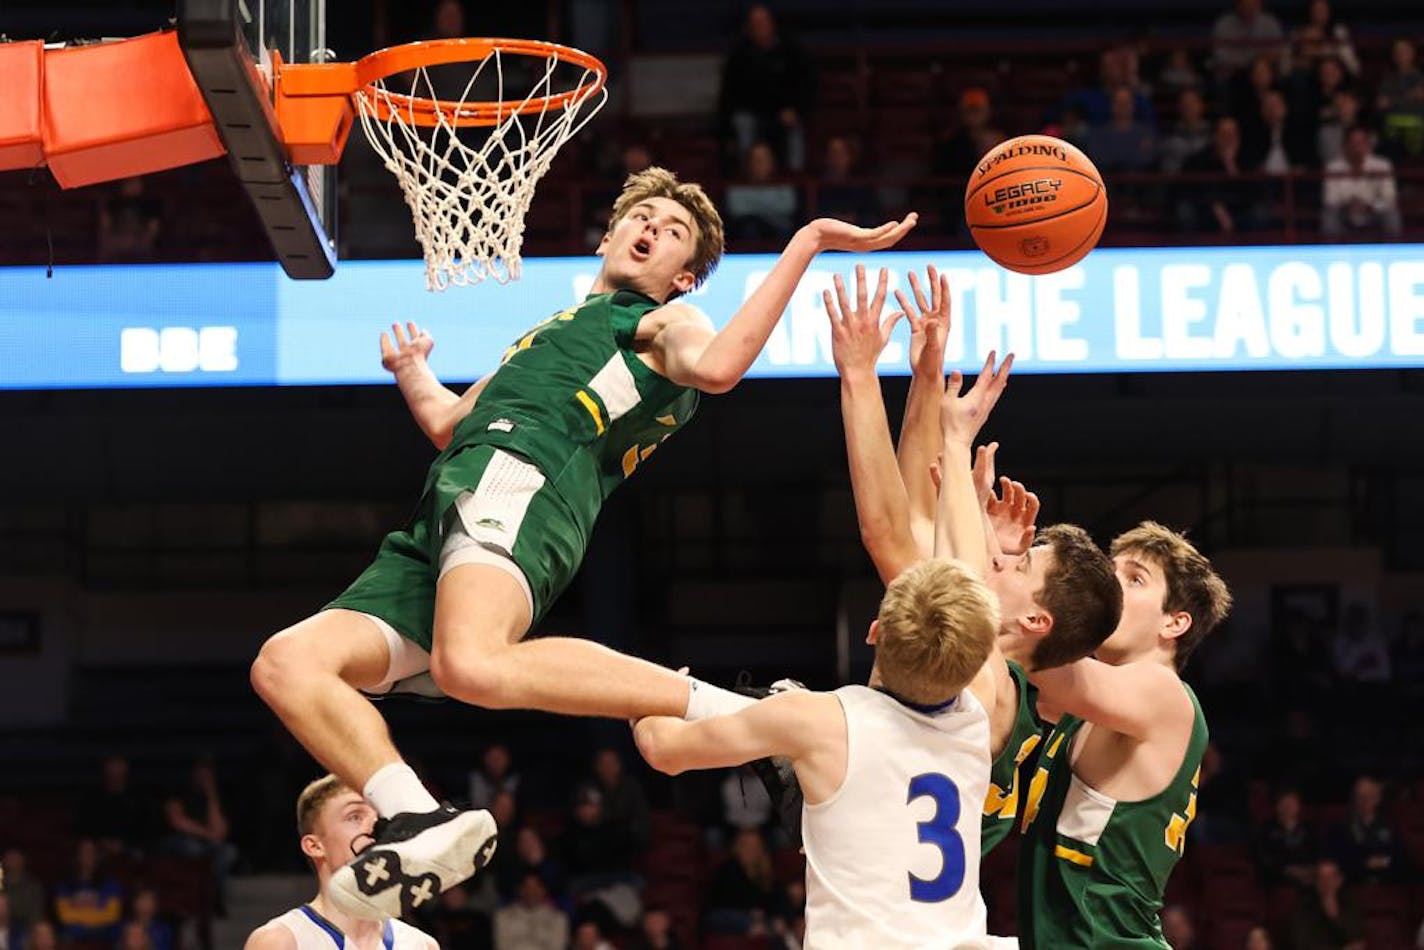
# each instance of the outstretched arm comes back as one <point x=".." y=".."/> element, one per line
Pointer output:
<point x="807" y="728"/>
<point x="692" y="354"/>
<point x="882" y="510"/>
<point x="920" y="437"/>
<point x="436" y="409"/>
<point x="1134" y="699"/>
<point x="959" y="523"/>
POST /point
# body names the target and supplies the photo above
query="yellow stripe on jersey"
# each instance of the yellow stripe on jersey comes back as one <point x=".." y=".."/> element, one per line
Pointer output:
<point x="592" y="408"/>
<point x="1077" y="857"/>
<point x="668" y="420"/>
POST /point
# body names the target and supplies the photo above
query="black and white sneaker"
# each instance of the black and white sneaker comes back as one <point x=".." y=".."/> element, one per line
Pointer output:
<point x="776" y="773"/>
<point x="411" y="859"/>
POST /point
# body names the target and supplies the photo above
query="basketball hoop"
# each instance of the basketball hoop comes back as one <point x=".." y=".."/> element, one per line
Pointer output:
<point x="467" y="163"/>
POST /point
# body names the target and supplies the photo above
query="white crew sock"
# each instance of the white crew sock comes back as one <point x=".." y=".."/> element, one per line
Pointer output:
<point x="705" y="700"/>
<point x="395" y="789"/>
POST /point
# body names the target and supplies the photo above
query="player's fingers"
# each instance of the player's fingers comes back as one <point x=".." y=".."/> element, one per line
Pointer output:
<point x="386" y="348"/>
<point x="956" y="383"/>
<point x="414" y="330"/>
<point x="1031" y="507"/>
<point x="830" y="309"/>
<point x="846" y="311"/>
<point x="888" y="325"/>
<point x="915" y="318"/>
<point x="944" y="298"/>
<point x="918" y="292"/>
<point x="934" y="286"/>
<point x="860" y="293"/>
<point x="877" y="303"/>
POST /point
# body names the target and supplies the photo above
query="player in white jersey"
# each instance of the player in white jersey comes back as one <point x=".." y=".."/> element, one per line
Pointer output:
<point x="331" y="819"/>
<point x="894" y="774"/>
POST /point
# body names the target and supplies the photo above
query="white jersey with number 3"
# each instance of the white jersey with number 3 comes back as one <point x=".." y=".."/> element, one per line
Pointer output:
<point x="892" y="858"/>
<point x="315" y="932"/>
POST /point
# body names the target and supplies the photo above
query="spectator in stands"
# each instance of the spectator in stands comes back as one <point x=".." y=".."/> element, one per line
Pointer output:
<point x="1401" y="101"/>
<point x="456" y="924"/>
<point x="27" y="895"/>
<point x="114" y="814"/>
<point x="1322" y="37"/>
<point x="1327" y="918"/>
<point x="532" y="922"/>
<point x="956" y="153"/>
<point x="745" y="806"/>
<point x="1189" y="134"/>
<point x="132" y="936"/>
<point x="9" y="931"/>
<point x="1177" y="927"/>
<point x="1302" y="657"/>
<point x="599" y="854"/>
<point x="1123" y="143"/>
<point x="1278" y="144"/>
<point x="1249" y="91"/>
<point x="1409" y="651"/>
<point x="1361" y="654"/>
<point x="531" y="857"/>
<point x="1286" y="849"/>
<point x="1360" y="192"/>
<point x="1259" y="938"/>
<point x="1117" y="68"/>
<point x="90" y="905"/>
<point x="742" y="895"/>
<point x="144" y="915"/>
<point x="1179" y="73"/>
<point x="839" y="195"/>
<point x="758" y="207"/>
<point x="41" y="936"/>
<point x="495" y="773"/>
<point x="1365" y="846"/>
<point x="1330" y="140"/>
<point x="625" y="804"/>
<point x="129" y="224"/>
<point x="1225" y="204"/>
<point x="1314" y="99"/>
<point x="197" y="824"/>
<point x="1242" y="34"/>
<point x="767" y="86"/>
<point x="589" y="936"/>
<point x="656" y="932"/>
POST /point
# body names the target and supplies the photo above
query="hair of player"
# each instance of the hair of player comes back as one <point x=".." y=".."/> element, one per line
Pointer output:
<point x="1080" y="592"/>
<point x="313" y="797"/>
<point x="937" y="624"/>
<point x="1192" y="585"/>
<point x="655" y="182"/>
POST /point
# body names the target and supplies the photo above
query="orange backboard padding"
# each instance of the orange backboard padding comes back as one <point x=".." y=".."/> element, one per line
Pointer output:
<point x="21" y="75"/>
<point x="113" y="110"/>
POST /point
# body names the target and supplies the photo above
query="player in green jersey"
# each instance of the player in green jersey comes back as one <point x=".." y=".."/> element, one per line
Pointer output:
<point x="1057" y="592"/>
<point x="1115" y="790"/>
<point x="528" y="455"/>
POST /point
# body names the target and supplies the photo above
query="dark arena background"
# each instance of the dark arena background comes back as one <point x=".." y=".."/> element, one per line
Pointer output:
<point x="195" y="455"/>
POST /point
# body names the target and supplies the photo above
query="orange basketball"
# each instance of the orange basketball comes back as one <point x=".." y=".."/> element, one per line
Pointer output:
<point x="1036" y="204"/>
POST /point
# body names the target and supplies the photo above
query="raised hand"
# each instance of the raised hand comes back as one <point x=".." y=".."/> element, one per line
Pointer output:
<point x="962" y="415"/>
<point x="835" y="235"/>
<point x="929" y="324"/>
<point x="1012" y="515"/>
<point x="397" y="350"/>
<point x="857" y="333"/>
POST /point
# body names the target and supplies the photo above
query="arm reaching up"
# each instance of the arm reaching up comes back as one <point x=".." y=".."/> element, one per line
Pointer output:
<point x="858" y="336"/>
<point x="920" y="437"/>
<point x="436" y="409"/>
<point x="692" y="354"/>
<point x="959" y="523"/>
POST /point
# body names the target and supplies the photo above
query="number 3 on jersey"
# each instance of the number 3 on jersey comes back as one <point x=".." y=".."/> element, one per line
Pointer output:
<point x="940" y="832"/>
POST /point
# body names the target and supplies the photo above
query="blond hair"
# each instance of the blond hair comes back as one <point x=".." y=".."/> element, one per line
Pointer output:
<point x="1193" y="586"/>
<point x="313" y="797"/>
<point x="655" y="182"/>
<point x="937" y="624"/>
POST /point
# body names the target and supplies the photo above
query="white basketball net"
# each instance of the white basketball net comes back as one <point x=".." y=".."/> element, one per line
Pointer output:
<point x="469" y="198"/>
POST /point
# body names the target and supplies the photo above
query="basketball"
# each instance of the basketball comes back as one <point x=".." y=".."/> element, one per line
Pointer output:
<point x="1036" y="204"/>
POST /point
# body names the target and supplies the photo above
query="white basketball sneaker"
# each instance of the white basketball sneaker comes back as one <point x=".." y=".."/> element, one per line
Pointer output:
<point x="413" y="858"/>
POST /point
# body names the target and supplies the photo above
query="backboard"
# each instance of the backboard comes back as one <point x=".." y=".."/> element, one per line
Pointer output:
<point x="230" y="46"/>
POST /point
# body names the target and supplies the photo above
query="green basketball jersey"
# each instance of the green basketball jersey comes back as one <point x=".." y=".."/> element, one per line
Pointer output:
<point x="1092" y="870"/>
<point x="573" y="398"/>
<point x="1001" y="805"/>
